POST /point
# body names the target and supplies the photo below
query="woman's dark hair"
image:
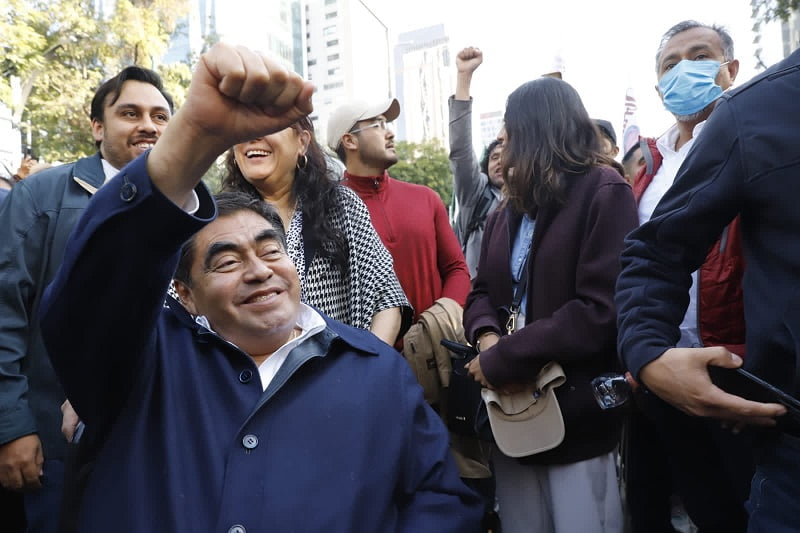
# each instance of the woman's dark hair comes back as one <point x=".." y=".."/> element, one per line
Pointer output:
<point x="549" y="136"/>
<point x="315" y="189"/>
<point x="229" y="203"/>
<point x="487" y="154"/>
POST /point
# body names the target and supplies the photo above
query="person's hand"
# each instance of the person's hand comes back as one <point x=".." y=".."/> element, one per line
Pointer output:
<point x="25" y="167"/>
<point x="468" y="59"/>
<point x="69" y="420"/>
<point x="680" y="377"/>
<point x="485" y="341"/>
<point x="235" y="95"/>
<point x="474" y="369"/>
<point x="21" y="463"/>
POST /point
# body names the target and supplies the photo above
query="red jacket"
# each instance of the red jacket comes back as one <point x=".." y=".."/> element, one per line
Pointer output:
<point x="412" y="222"/>
<point x="720" y="306"/>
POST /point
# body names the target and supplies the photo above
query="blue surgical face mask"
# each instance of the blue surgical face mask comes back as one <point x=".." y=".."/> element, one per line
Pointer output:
<point x="690" y="86"/>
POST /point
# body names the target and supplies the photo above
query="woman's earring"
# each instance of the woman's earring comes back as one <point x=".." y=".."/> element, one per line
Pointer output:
<point x="302" y="162"/>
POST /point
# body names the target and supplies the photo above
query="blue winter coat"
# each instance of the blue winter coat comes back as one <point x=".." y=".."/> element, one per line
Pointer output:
<point x="35" y="221"/>
<point x="340" y="441"/>
<point x="745" y="163"/>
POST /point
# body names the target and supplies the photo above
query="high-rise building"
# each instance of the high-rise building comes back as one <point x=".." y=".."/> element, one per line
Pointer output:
<point x="790" y="29"/>
<point x="269" y="26"/>
<point x="424" y="83"/>
<point x="347" y="55"/>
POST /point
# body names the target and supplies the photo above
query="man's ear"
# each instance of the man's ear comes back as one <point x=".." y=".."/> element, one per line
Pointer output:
<point x="97" y="130"/>
<point x="350" y="141"/>
<point x="733" y="69"/>
<point x="186" y="296"/>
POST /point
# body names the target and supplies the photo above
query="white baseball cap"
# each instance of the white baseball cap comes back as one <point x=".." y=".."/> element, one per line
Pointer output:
<point x="345" y="117"/>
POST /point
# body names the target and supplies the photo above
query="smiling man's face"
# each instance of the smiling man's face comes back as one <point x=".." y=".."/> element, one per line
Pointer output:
<point x="132" y="124"/>
<point x="243" y="282"/>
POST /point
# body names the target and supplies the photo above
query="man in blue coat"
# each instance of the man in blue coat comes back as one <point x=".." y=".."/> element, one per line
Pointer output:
<point x="251" y="412"/>
<point x="744" y="163"/>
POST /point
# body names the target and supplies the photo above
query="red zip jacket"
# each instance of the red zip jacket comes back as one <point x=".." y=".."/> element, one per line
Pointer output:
<point x="720" y="306"/>
<point x="411" y="220"/>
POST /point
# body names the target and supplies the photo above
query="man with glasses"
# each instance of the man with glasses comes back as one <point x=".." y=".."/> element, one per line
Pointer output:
<point x="410" y="219"/>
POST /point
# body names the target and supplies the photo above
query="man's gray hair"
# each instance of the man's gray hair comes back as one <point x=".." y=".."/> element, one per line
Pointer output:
<point x="724" y="37"/>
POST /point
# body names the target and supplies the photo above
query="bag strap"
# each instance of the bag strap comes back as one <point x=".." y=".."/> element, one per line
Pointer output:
<point x="478" y="217"/>
<point x="516" y="301"/>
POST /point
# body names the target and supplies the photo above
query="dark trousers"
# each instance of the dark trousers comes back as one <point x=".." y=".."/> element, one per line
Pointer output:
<point x="774" y="503"/>
<point x="43" y="506"/>
<point x="711" y="467"/>
<point x="12" y="513"/>
<point x="647" y="479"/>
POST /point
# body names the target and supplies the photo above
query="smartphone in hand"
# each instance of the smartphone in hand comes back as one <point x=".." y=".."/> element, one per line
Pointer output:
<point x="750" y="387"/>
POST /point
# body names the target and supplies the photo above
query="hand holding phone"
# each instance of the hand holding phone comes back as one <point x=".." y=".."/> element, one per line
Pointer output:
<point x="750" y="387"/>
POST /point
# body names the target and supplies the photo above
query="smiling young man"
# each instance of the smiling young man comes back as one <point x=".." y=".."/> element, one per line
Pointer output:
<point x="128" y="114"/>
<point x="410" y="219"/>
<point x="250" y="412"/>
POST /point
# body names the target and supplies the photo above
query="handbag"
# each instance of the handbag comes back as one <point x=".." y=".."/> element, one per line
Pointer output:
<point x="528" y="422"/>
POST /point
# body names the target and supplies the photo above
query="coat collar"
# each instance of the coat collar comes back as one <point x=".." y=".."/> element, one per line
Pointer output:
<point x="88" y="173"/>
<point x="367" y="184"/>
<point x="334" y="332"/>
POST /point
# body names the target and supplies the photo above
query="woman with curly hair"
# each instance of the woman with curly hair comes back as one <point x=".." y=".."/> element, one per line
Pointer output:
<point x="344" y="269"/>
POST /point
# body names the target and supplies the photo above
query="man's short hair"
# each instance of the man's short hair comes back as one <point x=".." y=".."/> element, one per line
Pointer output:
<point x="487" y="154"/>
<point x="228" y="203"/>
<point x="630" y="152"/>
<point x="112" y="88"/>
<point x="724" y="37"/>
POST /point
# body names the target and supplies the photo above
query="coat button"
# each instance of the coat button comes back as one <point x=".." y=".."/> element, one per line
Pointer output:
<point x="245" y="375"/>
<point x="237" y="529"/>
<point x="250" y="441"/>
<point x="128" y="191"/>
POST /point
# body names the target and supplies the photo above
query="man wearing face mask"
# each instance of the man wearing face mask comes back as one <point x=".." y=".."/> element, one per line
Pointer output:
<point x="710" y="468"/>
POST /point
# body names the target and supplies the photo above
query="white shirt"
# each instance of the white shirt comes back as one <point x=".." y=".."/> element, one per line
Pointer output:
<point x="665" y="176"/>
<point x="310" y="323"/>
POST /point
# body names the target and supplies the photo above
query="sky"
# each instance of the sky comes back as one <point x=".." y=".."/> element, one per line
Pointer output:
<point x="607" y="46"/>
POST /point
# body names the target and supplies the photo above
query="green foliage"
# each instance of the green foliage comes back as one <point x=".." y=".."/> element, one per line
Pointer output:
<point x="765" y="11"/>
<point x="213" y="176"/>
<point x="54" y="54"/>
<point x="771" y="10"/>
<point x="424" y="164"/>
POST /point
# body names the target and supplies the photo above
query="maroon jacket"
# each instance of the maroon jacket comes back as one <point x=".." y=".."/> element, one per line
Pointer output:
<point x="571" y="317"/>
<point x="720" y="306"/>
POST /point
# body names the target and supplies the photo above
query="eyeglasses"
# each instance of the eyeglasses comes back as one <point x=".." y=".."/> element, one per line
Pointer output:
<point x="381" y="123"/>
